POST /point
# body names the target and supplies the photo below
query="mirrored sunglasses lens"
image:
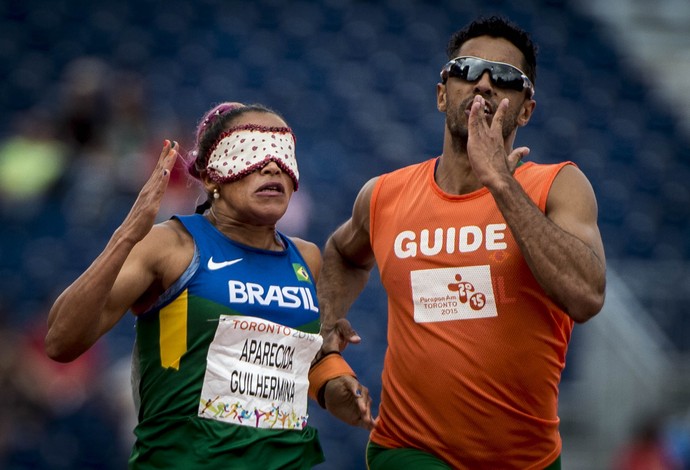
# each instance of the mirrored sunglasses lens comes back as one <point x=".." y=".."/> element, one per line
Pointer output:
<point x="502" y="75"/>
<point x="508" y="78"/>
<point x="460" y="70"/>
<point x="472" y="68"/>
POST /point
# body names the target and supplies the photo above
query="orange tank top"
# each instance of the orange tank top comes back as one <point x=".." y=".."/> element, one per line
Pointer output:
<point x="475" y="347"/>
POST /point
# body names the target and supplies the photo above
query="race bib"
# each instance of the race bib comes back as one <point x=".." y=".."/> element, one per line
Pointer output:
<point x="257" y="374"/>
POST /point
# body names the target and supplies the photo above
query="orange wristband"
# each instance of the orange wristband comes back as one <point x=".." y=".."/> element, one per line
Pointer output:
<point x="329" y="367"/>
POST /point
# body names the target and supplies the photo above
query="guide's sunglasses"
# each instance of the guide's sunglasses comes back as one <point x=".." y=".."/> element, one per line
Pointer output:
<point x="502" y="75"/>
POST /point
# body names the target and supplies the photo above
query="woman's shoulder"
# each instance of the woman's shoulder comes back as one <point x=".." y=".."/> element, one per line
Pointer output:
<point x="163" y="238"/>
<point x="171" y="248"/>
<point x="305" y="247"/>
<point x="171" y="232"/>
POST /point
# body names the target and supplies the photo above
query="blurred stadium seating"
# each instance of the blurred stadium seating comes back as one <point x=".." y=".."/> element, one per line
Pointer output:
<point x="107" y="81"/>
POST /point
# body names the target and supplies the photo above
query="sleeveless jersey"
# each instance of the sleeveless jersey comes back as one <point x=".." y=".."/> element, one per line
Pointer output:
<point x="475" y="347"/>
<point x="221" y="360"/>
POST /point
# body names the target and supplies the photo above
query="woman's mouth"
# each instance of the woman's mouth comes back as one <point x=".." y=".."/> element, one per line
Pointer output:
<point x="271" y="188"/>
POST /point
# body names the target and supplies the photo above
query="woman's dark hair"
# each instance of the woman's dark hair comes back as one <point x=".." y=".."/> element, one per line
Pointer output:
<point x="498" y="27"/>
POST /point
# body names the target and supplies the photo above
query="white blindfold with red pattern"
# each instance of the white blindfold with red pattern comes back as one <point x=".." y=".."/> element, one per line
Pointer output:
<point x="245" y="149"/>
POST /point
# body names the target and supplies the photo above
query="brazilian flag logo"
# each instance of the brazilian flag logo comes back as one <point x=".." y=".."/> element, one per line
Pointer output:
<point x="301" y="272"/>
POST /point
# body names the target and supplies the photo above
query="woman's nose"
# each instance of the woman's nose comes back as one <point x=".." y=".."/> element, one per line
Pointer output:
<point x="271" y="168"/>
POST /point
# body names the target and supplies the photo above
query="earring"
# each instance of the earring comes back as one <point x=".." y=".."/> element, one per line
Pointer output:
<point x="216" y="194"/>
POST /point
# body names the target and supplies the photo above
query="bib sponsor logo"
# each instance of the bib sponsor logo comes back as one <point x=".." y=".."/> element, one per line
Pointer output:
<point x="446" y="294"/>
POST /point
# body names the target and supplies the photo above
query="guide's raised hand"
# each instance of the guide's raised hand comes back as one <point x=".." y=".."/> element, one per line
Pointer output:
<point x="486" y="145"/>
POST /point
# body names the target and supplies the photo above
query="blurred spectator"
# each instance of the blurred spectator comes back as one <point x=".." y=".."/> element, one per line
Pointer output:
<point x="13" y="406"/>
<point x="32" y="160"/>
<point x="84" y="117"/>
<point x="55" y="416"/>
<point x="83" y="104"/>
<point x="678" y="435"/>
<point x="647" y="449"/>
<point x="104" y="121"/>
<point x="131" y="138"/>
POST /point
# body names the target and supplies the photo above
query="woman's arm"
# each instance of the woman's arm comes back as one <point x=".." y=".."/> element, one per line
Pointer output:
<point x="128" y="265"/>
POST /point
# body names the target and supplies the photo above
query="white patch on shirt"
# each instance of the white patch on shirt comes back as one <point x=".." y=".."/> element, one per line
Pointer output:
<point x="447" y="294"/>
